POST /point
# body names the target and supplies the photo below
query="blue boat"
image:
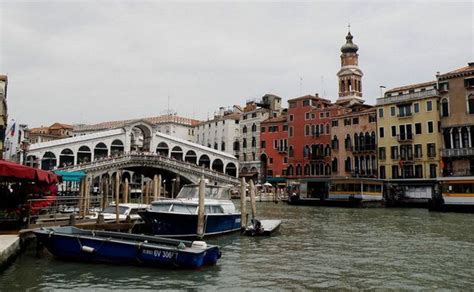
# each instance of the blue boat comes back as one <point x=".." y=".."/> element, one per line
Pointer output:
<point x="72" y="243"/>
<point x="179" y="217"/>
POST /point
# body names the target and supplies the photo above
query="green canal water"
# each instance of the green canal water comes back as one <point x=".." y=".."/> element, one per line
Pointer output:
<point x="317" y="248"/>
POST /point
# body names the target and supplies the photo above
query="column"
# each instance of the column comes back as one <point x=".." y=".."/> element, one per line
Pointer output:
<point x="451" y="137"/>
<point x="469" y="137"/>
<point x="460" y="137"/>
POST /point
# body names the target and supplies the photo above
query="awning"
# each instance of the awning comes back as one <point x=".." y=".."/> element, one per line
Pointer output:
<point x="276" y="179"/>
<point x="15" y="171"/>
<point x="74" y="176"/>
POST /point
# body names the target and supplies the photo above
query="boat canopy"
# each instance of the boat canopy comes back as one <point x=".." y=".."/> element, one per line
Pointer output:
<point x="14" y="171"/>
<point x="212" y="192"/>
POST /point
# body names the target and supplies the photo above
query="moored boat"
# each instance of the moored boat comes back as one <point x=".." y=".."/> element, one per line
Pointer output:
<point x="179" y="217"/>
<point x="124" y="248"/>
<point x="455" y="194"/>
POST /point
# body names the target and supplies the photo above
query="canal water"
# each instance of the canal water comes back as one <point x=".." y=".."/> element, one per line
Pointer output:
<point x="317" y="248"/>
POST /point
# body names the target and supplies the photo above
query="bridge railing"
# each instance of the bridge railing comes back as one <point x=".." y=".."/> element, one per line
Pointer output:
<point x="147" y="157"/>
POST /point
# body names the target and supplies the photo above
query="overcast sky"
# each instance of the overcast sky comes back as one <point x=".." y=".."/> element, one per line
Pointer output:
<point x="86" y="62"/>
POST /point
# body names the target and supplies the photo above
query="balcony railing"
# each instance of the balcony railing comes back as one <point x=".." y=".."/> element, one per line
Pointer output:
<point x="405" y="115"/>
<point x="408" y="137"/>
<point x="458" y="152"/>
<point x="406" y="97"/>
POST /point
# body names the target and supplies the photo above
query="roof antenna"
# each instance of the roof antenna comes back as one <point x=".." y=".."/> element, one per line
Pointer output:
<point x="301" y="85"/>
<point x="349" y="27"/>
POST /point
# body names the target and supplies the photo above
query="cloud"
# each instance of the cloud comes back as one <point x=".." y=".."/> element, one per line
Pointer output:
<point x="95" y="61"/>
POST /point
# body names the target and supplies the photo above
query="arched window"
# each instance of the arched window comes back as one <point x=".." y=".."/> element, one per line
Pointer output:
<point x="244" y="143"/>
<point x="307" y="169"/>
<point x="348" y="165"/>
<point x="356" y="142"/>
<point x="444" y="107"/>
<point x="307" y="130"/>
<point x="334" y="165"/>
<point x="291" y="152"/>
<point x="470" y="103"/>
<point x="222" y="146"/>
<point x="335" y="142"/>
<point x="298" y="169"/>
<point x="372" y="141"/>
<point x="254" y="142"/>
<point x="254" y="128"/>
<point x="290" y="170"/>
<point x="244" y="129"/>
<point x="367" y="140"/>
<point x="361" y="141"/>
<point x="347" y="142"/>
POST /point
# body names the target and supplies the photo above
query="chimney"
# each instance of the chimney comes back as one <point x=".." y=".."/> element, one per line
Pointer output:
<point x="316" y="94"/>
<point x="471" y="64"/>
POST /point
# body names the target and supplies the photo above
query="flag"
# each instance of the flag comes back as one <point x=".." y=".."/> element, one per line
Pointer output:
<point x="12" y="130"/>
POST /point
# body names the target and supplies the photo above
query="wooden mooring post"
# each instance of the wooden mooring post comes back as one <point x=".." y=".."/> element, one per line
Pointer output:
<point x="243" y="204"/>
<point x="202" y="194"/>
<point x="117" y="197"/>
<point x="252" y="199"/>
<point x="155" y="187"/>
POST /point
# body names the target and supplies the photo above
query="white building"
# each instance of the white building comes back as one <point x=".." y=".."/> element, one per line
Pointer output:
<point x="220" y="132"/>
<point x="247" y="146"/>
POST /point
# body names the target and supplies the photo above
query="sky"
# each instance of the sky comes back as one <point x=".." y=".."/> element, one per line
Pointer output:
<point x="92" y="61"/>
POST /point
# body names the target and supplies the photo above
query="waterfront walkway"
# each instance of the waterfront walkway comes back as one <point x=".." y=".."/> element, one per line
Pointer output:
<point x="9" y="248"/>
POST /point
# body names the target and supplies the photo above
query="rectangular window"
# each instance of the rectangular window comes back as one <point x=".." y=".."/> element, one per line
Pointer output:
<point x="392" y="111"/>
<point x="394" y="152"/>
<point x="394" y="171"/>
<point x="418" y="128"/>
<point x="321" y="115"/>
<point x="430" y="127"/>
<point x="372" y="119"/>
<point x="429" y="106"/>
<point x="355" y="121"/>
<point x="470" y="103"/>
<point x="291" y="132"/>
<point x="416" y="107"/>
<point x="334" y="123"/>
<point x="431" y="150"/>
<point x="306" y="116"/>
<point x="381" y="133"/>
<point x="306" y="102"/>
<point x="285" y="127"/>
<point x="382" y="153"/>
<point x="327" y="114"/>
<point x="418" y="171"/>
<point x="382" y="172"/>
<point x="433" y="170"/>
<point x="380" y="112"/>
<point x="292" y="104"/>
<point x="313" y="116"/>
<point x="418" y="151"/>
<point x="291" y="118"/>
<point x="263" y="144"/>
<point x="275" y="144"/>
<point x="262" y="129"/>
<point x="394" y="131"/>
<point x="347" y="122"/>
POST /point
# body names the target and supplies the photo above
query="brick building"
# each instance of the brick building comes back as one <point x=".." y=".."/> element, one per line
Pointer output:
<point x="309" y="143"/>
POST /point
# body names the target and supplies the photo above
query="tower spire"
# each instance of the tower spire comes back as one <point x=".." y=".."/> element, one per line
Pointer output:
<point x="350" y="76"/>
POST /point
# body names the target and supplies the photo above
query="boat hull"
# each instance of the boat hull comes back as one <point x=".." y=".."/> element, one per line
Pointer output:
<point x="134" y="252"/>
<point x="185" y="225"/>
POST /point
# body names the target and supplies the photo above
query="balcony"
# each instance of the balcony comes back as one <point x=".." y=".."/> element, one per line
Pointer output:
<point x="407" y="159"/>
<point x="406" y="97"/>
<point x="405" y="115"/>
<point x="366" y="148"/>
<point x="408" y="137"/>
<point x="458" y="152"/>
<point x="282" y="149"/>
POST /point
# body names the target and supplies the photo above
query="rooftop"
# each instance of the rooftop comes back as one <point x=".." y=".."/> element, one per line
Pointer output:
<point x="279" y="119"/>
<point x="411" y="86"/>
<point x="152" y="120"/>
<point x="467" y="69"/>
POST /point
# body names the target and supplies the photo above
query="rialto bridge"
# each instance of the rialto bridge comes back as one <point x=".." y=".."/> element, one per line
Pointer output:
<point x="139" y="149"/>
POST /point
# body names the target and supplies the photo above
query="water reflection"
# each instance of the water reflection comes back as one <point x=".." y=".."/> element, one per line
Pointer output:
<point x="316" y="248"/>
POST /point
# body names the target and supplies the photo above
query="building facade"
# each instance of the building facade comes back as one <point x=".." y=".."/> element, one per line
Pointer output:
<point x="309" y="143"/>
<point x="247" y="147"/>
<point x="221" y="132"/>
<point x="409" y="141"/>
<point x="354" y="143"/>
<point x="456" y="89"/>
<point x="274" y="149"/>
<point x="3" y="112"/>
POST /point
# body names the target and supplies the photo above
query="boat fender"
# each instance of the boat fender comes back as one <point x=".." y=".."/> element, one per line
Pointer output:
<point x="181" y="245"/>
<point x="199" y="244"/>
<point x="87" y="249"/>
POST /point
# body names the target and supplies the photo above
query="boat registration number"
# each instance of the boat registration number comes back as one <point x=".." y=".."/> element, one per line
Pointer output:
<point x="159" y="253"/>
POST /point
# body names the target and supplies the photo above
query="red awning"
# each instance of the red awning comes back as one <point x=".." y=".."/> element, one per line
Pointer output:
<point x="17" y="171"/>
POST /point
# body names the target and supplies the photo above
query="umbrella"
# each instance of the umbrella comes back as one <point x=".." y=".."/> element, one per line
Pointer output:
<point x="267" y="184"/>
<point x="258" y="185"/>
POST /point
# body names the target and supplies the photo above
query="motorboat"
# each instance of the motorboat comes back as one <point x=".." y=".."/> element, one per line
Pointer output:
<point x="71" y="243"/>
<point x="129" y="209"/>
<point x="179" y="217"/>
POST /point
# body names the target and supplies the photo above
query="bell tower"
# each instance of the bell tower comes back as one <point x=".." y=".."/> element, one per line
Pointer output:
<point x="350" y="76"/>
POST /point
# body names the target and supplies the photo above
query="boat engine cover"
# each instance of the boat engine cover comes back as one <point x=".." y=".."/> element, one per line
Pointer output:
<point x="199" y="244"/>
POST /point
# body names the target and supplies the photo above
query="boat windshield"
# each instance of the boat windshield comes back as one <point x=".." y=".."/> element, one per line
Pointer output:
<point x="212" y="192"/>
<point x="184" y="208"/>
<point x="161" y="207"/>
<point x="111" y="210"/>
